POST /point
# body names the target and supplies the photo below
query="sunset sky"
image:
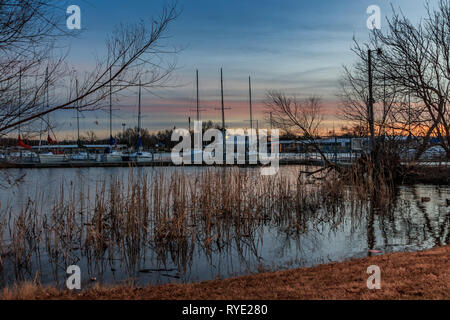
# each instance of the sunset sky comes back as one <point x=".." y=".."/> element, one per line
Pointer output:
<point x="296" y="46"/>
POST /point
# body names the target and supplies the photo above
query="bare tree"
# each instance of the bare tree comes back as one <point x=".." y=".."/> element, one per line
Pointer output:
<point x="29" y="32"/>
<point x="297" y="116"/>
<point x="136" y="55"/>
<point x="411" y="76"/>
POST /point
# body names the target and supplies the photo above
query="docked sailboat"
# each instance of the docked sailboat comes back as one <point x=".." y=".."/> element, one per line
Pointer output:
<point x="139" y="155"/>
<point x="49" y="157"/>
<point x="111" y="154"/>
<point x="80" y="155"/>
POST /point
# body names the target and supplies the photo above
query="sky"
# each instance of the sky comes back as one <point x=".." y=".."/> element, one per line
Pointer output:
<point x="296" y="46"/>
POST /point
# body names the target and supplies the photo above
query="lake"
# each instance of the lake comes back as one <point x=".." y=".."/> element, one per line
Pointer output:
<point x="419" y="218"/>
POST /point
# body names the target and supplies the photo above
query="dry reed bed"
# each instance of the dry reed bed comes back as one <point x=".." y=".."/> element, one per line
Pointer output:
<point x="168" y="213"/>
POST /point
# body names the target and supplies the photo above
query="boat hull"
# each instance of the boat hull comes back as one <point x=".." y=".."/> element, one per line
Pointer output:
<point x="52" y="158"/>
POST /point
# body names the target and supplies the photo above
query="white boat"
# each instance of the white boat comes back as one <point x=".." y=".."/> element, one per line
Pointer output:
<point x="49" y="157"/>
<point x="79" y="156"/>
<point x="83" y="156"/>
<point x="141" y="156"/>
<point x="114" y="156"/>
<point x="24" y="156"/>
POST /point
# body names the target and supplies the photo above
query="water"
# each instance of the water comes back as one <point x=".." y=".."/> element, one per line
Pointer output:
<point x="419" y="219"/>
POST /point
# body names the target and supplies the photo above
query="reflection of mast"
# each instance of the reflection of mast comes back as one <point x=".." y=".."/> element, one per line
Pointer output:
<point x="370" y="227"/>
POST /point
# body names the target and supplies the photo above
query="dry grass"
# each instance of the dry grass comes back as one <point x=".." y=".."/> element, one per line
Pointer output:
<point x="168" y="214"/>
<point x="418" y="275"/>
<point x="172" y="214"/>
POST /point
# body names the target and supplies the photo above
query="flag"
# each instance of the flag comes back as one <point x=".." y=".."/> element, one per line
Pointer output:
<point x="50" y="140"/>
<point x="22" y="144"/>
<point x="112" y="141"/>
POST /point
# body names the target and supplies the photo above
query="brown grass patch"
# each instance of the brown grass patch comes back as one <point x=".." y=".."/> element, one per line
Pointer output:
<point x="406" y="275"/>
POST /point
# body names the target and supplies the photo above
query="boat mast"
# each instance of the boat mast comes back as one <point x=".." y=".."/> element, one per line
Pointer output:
<point x="20" y="103"/>
<point x="40" y="131"/>
<point x="139" y="117"/>
<point x="223" y="106"/>
<point x="42" y="109"/>
<point x="78" y="113"/>
<point x="48" y="102"/>
<point x="110" y="108"/>
<point x="20" y="96"/>
<point x="250" y="101"/>
<point x="223" y="116"/>
<point x="198" y="100"/>
<point x="271" y="122"/>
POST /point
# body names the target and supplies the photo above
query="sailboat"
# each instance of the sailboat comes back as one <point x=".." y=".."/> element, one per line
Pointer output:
<point x="197" y="151"/>
<point x="111" y="155"/>
<point x="82" y="155"/>
<point x="21" y="154"/>
<point x="139" y="155"/>
<point x="49" y="157"/>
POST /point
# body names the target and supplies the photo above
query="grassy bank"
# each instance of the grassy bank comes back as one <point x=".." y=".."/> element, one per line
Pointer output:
<point x="406" y="275"/>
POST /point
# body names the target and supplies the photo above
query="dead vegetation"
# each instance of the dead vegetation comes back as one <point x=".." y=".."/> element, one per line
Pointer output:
<point x="407" y="275"/>
<point x="174" y="215"/>
<point x="167" y="213"/>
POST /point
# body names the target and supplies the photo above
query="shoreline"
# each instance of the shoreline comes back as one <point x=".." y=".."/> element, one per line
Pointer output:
<point x="404" y="275"/>
<point x="421" y="173"/>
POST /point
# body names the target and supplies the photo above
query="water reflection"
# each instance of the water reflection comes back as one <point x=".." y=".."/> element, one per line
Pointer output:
<point x="157" y="225"/>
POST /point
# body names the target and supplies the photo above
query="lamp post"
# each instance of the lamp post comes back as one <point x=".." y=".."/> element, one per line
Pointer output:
<point x="124" y="131"/>
<point x="370" y="102"/>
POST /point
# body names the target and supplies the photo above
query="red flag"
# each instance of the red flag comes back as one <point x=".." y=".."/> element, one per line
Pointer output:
<point x="50" y="140"/>
<point x="22" y="144"/>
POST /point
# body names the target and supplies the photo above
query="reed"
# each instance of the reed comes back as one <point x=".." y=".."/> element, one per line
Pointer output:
<point x="170" y="214"/>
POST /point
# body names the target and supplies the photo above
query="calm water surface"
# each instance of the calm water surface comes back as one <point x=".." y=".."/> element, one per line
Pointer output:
<point x="419" y="219"/>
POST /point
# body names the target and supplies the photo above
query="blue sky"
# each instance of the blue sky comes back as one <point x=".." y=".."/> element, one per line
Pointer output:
<point x="293" y="45"/>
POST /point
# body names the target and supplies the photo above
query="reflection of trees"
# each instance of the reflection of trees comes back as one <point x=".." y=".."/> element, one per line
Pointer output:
<point x="163" y="223"/>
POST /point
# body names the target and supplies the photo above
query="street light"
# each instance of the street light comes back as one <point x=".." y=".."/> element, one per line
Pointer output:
<point x="123" y="126"/>
<point x="370" y="102"/>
